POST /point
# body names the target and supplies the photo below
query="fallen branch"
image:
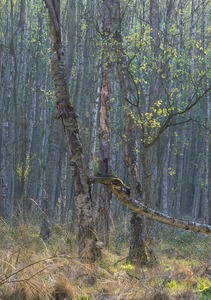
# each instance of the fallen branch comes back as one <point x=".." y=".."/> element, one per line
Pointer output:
<point x="141" y="209"/>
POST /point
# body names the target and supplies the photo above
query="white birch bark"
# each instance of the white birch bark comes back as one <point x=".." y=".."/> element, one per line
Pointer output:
<point x="88" y="247"/>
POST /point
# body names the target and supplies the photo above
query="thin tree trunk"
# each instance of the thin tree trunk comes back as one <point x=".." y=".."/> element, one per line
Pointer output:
<point x="206" y="214"/>
<point x="105" y="195"/>
<point x="93" y="130"/>
<point x="3" y="171"/>
<point x="164" y="204"/>
<point x="71" y="36"/>
<point x="138" y="250"/>
<point x="197" y="198"/>
<point x="80" y="57"/>
<point x="16" y="190"/>
<point x="103" y="215"/>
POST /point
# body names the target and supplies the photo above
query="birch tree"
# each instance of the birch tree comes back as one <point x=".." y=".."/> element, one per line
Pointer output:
<point x="88" y="248"/>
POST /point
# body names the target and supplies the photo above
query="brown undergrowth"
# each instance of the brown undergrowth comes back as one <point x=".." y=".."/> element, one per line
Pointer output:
<point x="31" y="269"/>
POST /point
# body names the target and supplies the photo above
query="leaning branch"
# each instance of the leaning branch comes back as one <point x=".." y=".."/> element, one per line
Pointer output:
<point x="136" y="206"/>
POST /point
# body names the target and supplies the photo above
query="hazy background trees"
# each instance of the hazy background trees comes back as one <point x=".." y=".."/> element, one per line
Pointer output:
<point x="165" y="56"/>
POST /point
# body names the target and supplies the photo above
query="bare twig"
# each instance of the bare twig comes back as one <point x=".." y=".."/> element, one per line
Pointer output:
<point x="24" y="268"/>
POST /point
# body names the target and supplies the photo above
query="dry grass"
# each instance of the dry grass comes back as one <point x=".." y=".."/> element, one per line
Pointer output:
<point x="33" y="270"/>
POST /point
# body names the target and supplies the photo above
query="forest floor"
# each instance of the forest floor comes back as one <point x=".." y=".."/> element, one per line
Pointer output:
<point x="32" y="269"/>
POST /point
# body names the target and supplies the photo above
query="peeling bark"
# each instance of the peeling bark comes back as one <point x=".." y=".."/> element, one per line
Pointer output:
<point x="143" y="210"/>
<point x="88" y="248"/>
<point x="105" y="164"/>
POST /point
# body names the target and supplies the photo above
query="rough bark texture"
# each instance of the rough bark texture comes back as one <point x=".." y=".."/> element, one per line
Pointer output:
<point x="88" y="248"/>
<point x="137" y="251"/>
<point x="207" y="131"/>
<point x="118" y="188"/>
<point x="105" y="161"/>
<point x="104" y="201"/>
<point x="71" y="38"/>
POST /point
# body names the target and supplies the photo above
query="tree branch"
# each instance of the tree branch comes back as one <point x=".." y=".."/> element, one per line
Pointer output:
<point x="141" y="209"/>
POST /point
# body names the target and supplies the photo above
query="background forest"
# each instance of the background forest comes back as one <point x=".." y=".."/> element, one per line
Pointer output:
<point x="139" y="74"/>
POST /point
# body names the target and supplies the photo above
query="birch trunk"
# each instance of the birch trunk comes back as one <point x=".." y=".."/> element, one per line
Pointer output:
<point x="105" y="195"/>
<point x="71" y="35"/>
<point x="206" y="214"/>
<point x="104" y="201"/>
<point x="138" y="250"/>
<point x="88" y="248"/>
<point x="164" y="198"/>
